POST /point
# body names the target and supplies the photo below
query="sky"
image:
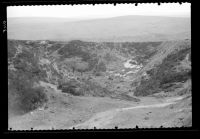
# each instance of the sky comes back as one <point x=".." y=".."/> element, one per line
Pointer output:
<point x="101" y="11"/>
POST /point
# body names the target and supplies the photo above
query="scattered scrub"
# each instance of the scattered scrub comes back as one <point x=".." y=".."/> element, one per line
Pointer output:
<point x="99" y="69"/>
<point x="72" y="87"/>
<point x="22" y="96"/>
<point x="164" y="75"/>
<point x="85" y="88"/>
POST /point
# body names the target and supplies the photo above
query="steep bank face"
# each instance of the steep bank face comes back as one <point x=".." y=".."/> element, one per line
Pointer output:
<point x="168" y="70"/>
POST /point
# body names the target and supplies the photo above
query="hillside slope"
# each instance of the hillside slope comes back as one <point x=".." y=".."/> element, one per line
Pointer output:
<point x="62" y="77"/>
<point x="167" y="70"/>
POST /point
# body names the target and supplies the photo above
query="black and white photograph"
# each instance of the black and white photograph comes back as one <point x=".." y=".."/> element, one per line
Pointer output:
<point x="101" y="66"/>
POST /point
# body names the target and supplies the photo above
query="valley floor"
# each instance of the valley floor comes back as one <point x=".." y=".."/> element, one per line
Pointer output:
<point x="64" y="111"/>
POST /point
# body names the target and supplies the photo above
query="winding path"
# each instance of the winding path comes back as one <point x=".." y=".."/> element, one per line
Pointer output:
<point x="102" y="119"/>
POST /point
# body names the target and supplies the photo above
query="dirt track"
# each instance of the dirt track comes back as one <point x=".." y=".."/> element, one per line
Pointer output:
<point x="65" y="112"/>
<point x="100" y="120"/>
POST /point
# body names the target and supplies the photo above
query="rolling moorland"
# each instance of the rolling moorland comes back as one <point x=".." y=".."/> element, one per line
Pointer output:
<point x="117" y="29"/>
<point x="103" y="73"/>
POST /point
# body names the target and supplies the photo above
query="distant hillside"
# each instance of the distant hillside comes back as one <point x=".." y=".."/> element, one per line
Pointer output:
<point x="124" y="28"/>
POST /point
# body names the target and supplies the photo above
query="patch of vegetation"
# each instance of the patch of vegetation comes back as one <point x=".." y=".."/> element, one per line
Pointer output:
<point x="109" y="58"/>
<point x="97" y="73"/>
<point x="73" y="49"/>
<point x="32" y="98"/>
<point x="76" y="64"/>
<point x="100" y="68"/>
<point x="28" y="64"/>
<point x="54" y="47"/>
<point x="92" y="62"/>
<point x="22" y="95"/>
<point x="85" y="88"/>
<point x="82" y="67"/>
<point x="79" y="49"/>
<point x="143" y="50"/>
<point x="71" y="87"/>
<point x="164" y="75"/>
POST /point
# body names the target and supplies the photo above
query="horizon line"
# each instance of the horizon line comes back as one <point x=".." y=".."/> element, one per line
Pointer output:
<point x="94" y="17"/>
